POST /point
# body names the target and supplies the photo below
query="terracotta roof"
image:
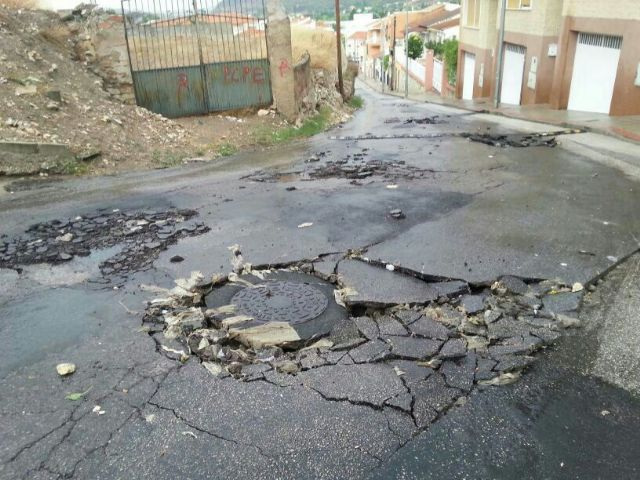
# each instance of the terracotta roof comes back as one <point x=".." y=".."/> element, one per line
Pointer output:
<point x="358" y="36"/>
<point x="441" y="17"/>
<point x="452" y="22"/>
<point x="232" y="18"/>
<point x="420" y="20"/>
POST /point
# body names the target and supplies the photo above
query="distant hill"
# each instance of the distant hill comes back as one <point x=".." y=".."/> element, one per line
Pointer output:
<point x="325" y="8"/>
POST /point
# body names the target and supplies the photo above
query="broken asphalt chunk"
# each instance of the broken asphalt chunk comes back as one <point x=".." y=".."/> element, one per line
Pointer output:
<point x="431" y="396"/>
<point x="367" y="327"/>
<point x="370" y="351"/>
<point x="460" y="373"/>
<point x="453" y="348"/>
<point x="413" y="347"/>
<point x="426" y="327"/>
<point x="562" y="302"/>
<point x="371" y="384"/>
<point x="377" y="287"/>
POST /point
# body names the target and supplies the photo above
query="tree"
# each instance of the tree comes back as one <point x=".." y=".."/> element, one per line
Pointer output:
<point x="416" y="47"/>
<point x="385" y="63"/>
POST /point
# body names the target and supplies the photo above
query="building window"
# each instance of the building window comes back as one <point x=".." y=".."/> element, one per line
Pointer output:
<point x="519" y="4"/>
<point x="473" y="13"/>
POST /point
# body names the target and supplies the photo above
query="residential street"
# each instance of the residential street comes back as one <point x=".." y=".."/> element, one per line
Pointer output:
<point x="413" y="212"/>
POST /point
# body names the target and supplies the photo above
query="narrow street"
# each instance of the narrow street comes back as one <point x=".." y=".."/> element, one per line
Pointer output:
<point x="472" y="277"/>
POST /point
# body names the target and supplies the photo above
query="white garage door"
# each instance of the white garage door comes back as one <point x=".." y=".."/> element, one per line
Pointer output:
<point x="469" y="75"/>
<point x="512" y="73"/>
<point x="594" y="72"/>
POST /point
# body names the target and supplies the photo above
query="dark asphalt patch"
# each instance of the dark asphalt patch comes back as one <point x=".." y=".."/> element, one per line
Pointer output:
<point x="142" y="233"/>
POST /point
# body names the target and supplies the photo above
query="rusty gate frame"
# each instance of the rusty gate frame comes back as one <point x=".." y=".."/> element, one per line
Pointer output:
<point x="190" y="57"/>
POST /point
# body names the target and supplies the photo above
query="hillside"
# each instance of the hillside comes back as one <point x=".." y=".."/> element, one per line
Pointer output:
<point x="47" y="96"/>
<point x="325" y="8"/>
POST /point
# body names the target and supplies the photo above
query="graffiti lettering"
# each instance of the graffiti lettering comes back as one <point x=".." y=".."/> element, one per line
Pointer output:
<point x="258" y="75"/>
<point x="229" y="75"/>
<point x="243" y="74"/>
<point x="183" y="82"/>
<point x="283" y="67"/>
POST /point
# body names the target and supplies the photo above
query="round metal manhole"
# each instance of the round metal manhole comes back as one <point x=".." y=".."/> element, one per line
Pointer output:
<point x="281" y="302"/>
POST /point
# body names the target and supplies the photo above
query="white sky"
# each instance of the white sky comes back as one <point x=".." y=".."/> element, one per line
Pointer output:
<point x="115" y="4"/>
<point x="64" y="4"/>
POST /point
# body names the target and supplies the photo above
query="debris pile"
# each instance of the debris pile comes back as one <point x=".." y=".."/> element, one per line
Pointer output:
<point x="47" y="97"/>
<point x="358" y="169"/>
<point x="515" y="140"/>
<point x="434" y="120"/>
<point x="324" y="93"/>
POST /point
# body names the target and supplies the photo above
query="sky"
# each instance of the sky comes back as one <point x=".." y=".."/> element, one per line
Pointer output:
<point x="64" y="4"/>
<point x="115" y="4"/>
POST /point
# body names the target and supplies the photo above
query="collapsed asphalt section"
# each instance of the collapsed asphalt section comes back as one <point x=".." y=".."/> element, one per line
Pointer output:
<point x="359" y="332"/>
<point x="143" y="234"/>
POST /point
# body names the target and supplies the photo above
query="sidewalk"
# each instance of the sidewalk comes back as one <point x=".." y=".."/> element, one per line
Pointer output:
<point x="625" y="127"/>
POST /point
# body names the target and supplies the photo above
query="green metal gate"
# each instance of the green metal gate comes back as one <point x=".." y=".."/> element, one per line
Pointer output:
<point x="190" y="57"/>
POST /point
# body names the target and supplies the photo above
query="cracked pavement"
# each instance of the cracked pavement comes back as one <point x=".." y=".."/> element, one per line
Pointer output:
<point x="473" y="213"/>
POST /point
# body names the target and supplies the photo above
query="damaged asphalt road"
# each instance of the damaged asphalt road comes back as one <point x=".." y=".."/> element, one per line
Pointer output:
<point x="472" y="214"/>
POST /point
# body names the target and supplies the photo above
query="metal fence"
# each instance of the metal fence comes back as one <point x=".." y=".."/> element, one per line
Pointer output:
<point x="191" y="57"/>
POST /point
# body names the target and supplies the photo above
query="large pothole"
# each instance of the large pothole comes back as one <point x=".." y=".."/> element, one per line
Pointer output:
<point x="268" y="322"/>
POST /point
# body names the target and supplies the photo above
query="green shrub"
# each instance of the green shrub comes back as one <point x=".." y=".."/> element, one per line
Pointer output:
<point x="416" y="47"/>
<point x="356" y="102"/>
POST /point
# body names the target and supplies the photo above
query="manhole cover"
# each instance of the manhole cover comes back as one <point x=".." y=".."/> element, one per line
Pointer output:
<point x="281" y="302"/>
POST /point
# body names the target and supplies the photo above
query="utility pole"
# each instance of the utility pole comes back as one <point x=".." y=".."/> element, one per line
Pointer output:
<point x="406" y="54"/>
<point x="393" y="55"/>
<point x="339" y="42"/>
<point x="500" y="59"/>
<point x="384" y="46"/>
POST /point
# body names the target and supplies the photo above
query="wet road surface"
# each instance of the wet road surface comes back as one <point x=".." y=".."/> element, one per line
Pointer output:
<point x="473" y="212"/>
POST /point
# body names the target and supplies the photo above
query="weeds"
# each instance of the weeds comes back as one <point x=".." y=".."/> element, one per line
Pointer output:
<point x="227" y="149"/>
<point x="356" y="102"/>
<point x="311" y="126"/>
<point x="70" y="167"/>
<point x="166" y="159"/>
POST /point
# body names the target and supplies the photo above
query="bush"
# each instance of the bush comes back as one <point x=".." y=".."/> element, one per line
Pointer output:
<point x="416" y="47"/>
<point x="447" y="51"/>
<point x="437" y="47"/>
<point x="356" y="102"/>
<point x="385" y="63"/>
<point x="451" y="59"/>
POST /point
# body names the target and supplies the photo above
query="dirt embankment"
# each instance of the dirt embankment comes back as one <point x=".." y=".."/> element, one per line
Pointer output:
<point x="58" y="86"/>
<point x="48" y="97"/>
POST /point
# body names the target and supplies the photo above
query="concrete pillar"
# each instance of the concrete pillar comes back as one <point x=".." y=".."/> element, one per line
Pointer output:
<point x="445" y="79"/>
<point x="280" y="59"/>
<point x="428" y="71"/>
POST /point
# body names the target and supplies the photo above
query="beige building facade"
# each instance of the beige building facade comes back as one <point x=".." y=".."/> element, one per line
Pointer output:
<point x="572" y="54"/>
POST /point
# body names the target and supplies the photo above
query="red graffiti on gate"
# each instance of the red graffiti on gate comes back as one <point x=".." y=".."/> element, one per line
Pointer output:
<point x="183" y="82"/>
<point x="283" y="67"/>
<point x="243" y="74"/>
